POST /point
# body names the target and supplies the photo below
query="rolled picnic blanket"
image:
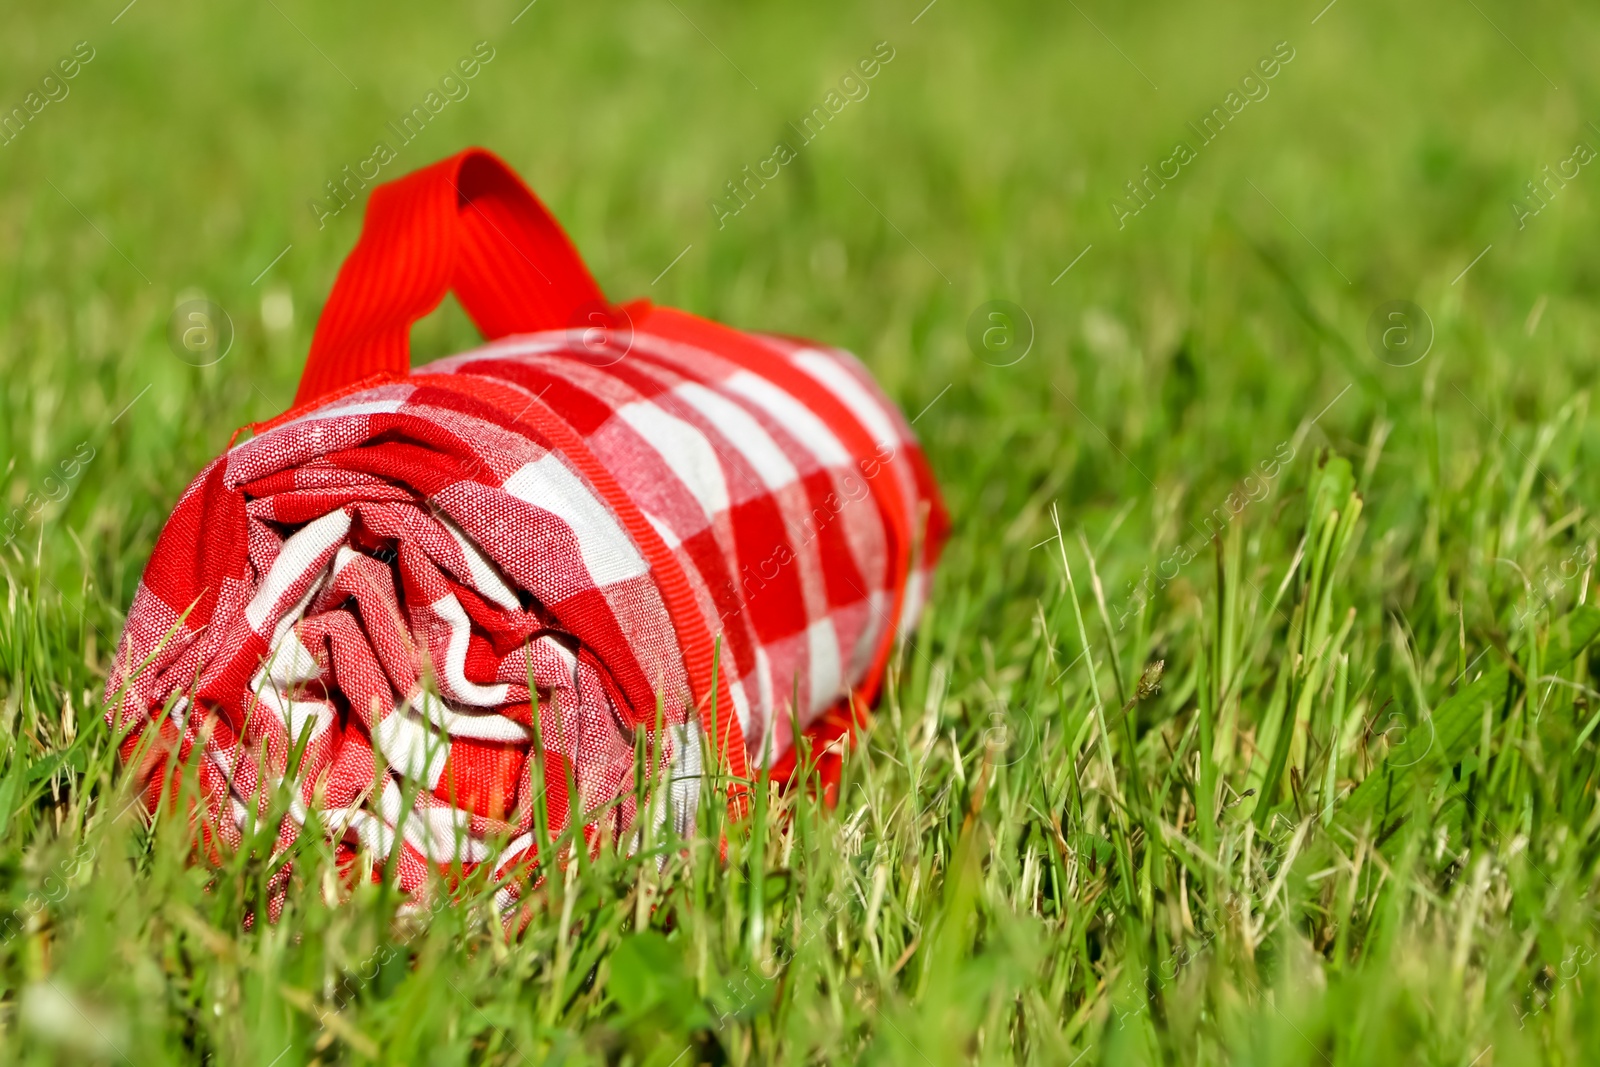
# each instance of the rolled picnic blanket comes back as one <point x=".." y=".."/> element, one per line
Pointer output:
<point x="418" y="597"/>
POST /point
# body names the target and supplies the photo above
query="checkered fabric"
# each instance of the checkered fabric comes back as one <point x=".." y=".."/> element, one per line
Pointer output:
<point x="420" y="601"/>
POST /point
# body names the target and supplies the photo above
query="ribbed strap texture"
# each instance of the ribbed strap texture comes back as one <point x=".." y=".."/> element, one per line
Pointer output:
<point x="466" y="225"/>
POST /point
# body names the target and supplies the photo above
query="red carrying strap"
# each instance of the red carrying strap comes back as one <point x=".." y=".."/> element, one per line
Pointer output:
<point x="466" y="225"/>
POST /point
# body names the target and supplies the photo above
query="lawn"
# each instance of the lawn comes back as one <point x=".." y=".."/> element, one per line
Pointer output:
<point x="1253" y="720"/>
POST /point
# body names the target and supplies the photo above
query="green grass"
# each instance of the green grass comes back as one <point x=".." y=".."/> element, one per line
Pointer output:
<point x="1358" y="823"/>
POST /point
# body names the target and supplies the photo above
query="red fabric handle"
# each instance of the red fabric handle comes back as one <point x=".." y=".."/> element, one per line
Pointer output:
<point x="466" y="224"/>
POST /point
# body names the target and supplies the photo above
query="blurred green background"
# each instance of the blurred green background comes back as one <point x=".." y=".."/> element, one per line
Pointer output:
<point x="187" y="153"/>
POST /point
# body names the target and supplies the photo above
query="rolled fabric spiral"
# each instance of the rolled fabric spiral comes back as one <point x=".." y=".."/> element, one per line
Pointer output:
<point x="606" y="522"/>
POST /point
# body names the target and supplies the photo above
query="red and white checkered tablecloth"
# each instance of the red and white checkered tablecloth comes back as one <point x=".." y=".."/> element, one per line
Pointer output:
<point x="389" y="601"/>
